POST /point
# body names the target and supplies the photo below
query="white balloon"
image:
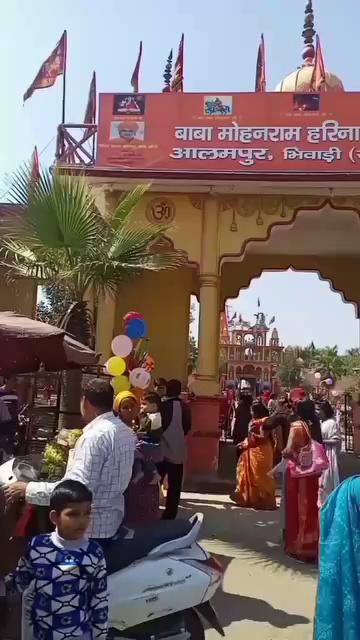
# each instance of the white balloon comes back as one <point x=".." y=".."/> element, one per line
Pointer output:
<point x="317" y="375"/>
<point x="140" y="378"/>
<point x="122" y="346"/>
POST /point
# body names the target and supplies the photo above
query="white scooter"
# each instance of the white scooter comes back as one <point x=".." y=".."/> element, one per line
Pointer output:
<point x="166" y="580"/>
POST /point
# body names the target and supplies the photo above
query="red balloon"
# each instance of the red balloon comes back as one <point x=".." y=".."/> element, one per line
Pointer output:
<point x="132" y="315"/>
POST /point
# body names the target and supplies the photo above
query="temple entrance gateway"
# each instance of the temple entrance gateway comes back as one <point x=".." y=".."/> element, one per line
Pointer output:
<point x="246" y="182"/>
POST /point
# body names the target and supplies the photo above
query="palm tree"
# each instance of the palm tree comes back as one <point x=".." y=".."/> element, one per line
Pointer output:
<point x="329" y="363"/>
<point x="290" y="371"/>
<point x="58" y="237"/>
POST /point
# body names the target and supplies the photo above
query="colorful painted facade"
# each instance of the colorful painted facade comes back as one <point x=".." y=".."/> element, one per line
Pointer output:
<point x="250" y="353"/>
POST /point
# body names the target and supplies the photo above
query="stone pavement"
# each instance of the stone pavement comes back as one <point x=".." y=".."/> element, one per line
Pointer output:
<point x="266" y="595"/>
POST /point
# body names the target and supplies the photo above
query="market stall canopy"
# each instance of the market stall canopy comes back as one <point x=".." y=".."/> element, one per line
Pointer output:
<point x="26" y="345"/>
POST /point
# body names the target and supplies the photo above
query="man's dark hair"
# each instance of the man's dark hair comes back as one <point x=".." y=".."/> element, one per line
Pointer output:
<point x="327" y="410"/>
<point x="69" y="492"/>
<point x="259" y="410"/>
<point x="173" y="388"/>
<point x="153" y="398"/>
<point x="100" y="394"/>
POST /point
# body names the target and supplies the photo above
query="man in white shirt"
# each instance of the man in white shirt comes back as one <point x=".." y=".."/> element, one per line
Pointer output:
<point x="103" y="459"/>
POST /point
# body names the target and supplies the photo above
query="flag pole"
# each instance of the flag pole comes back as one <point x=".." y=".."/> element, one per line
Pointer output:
<point x="64" y="80"/>
<point x="95" y="114"/>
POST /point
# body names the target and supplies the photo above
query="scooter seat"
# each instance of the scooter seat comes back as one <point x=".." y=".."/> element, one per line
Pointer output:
<point x="123" y="552"/>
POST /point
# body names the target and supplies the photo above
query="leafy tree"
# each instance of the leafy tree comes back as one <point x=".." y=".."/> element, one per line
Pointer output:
<point x="329" y="363"/>
<point x="193" y="354"/>
<point x="193" y="346"/>
<point x="60" y="237"/>
<point x="54" y="304"/>
<point x="290" y="372"/>
<point x="352" y="361"/>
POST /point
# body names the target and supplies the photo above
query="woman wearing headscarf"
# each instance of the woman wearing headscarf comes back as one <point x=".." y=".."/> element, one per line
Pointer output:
<point x="254" y="487"/>
<point x="142" y="499"/>
<point x="338" y="599"/>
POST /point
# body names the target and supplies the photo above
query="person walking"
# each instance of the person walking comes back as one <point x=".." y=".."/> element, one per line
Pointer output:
<point x="254" y="487"/>
<point x="176" y="424"/>
<point x="331" y="435"/>
<point x="301" y="493"/>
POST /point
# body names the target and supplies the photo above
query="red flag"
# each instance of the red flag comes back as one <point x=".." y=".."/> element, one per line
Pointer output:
<point x="35" y="165"/>
<point x="135" y="75"/>
<point x="260" y="79"/>
<point x="90" y="113"/>
<point x="178" y="77"/>
<point x="318" y="81"/>
<point x="53" y="67"/>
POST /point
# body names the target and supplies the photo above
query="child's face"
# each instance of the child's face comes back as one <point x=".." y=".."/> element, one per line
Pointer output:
<point x="149" y="407"/>
<point x="73" y="521"/>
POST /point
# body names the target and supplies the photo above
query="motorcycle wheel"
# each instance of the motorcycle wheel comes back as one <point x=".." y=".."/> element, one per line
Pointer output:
<point x="194" y="626"/>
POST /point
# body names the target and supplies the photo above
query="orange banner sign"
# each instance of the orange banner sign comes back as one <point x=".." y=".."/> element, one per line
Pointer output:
<point x="236" y="133"/>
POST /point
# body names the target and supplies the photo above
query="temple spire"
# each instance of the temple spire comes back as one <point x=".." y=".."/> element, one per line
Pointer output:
<point x="308" y="34"/>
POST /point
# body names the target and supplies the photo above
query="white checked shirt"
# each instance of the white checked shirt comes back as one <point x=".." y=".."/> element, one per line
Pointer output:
<point x="102" y="460"/>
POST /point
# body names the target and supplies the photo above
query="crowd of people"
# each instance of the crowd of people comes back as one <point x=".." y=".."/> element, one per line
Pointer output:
<point x="271" y="435"/>
<point x="293" y="444"/>
<point x="88" y="508"/>
<point x="288" y="451"/>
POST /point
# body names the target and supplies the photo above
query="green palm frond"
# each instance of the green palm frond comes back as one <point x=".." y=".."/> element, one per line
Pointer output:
<point x="132" y="237"/>
<point x="59" y="235"/>
<point x="167" y="259"/>
<point x="127" y="205"/>
<point x="21" y="261"/>
<point x="59" y="210"/>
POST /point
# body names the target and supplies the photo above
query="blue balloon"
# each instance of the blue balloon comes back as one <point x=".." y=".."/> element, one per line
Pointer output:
<point x="136" y="329"/>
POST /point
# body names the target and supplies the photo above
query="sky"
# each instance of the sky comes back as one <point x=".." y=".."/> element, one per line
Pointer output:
<point x="221" y="41"/>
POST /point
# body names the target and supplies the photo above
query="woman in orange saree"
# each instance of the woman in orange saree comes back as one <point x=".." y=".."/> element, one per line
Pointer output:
<point x="254" y="487"/>
<point x="301" y="498"/>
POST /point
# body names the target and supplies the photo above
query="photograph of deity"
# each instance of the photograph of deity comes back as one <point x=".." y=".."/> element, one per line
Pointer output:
<point x="306" y="102"/>
<point x="128" y="104"/>
<point x="127" y="130"/>
<point x="217" y="105"/>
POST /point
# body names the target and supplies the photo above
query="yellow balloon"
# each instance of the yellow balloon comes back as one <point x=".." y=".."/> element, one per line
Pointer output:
<point x="116" y="366"/>
<point x="120" y="383"/>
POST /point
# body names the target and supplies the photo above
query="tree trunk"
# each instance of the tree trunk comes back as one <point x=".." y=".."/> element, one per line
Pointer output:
<point x="77" y="322"/>
<point x="70" y="416"/>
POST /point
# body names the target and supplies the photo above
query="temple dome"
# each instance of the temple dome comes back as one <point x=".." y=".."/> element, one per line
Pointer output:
<point x="300" y="81"/>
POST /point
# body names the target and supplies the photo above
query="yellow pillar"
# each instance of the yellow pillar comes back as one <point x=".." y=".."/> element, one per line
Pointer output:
<point x="105" y="326"/>
<point x="206" y="381"/>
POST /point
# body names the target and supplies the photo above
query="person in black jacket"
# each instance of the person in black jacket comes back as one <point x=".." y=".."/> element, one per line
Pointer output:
<point x="176" y="424"/>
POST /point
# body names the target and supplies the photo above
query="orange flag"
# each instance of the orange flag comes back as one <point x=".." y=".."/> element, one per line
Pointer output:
<point x="135" y="75"/>
<point x="90" y="113"/>
<point x="260" y="79"/>
<point x="318" y="82"/>
<point x="53" y="67"/>
<point x="35" y="165"/>
<point x="178" y="77"/>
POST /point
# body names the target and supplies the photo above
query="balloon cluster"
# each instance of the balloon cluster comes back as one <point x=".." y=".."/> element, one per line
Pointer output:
<point x="130" y="365"/>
